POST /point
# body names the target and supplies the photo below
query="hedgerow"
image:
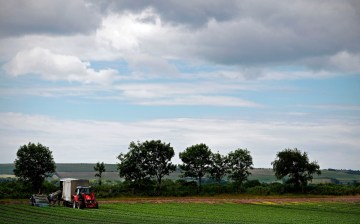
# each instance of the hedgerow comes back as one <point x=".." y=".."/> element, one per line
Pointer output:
<point x="12" y="188"/>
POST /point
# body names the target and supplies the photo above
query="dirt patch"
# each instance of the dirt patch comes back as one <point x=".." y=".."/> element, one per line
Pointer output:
<point x="14" y="201"/>
<point x="214" y="200"/>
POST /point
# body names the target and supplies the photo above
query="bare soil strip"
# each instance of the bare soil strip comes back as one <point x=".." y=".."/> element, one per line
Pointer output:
<point x="215" y="200"/>
<point x="238" y="200"/>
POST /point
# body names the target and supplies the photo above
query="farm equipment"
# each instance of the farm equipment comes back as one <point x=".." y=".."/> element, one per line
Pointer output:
<point x="39" y="200"/>
<point x="77" y="193"/>
<point x="54" y="197"/>
<point x="42" y="200"/>
<point x="84" y="198"/>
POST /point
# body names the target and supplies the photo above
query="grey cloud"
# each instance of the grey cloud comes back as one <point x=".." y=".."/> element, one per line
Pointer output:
<point x="21" y="17"/>
<point x="282" y="32"/>
<point x="257" y="32"/>
<point x="245" y="33"/>
<point x="193" y="14"/>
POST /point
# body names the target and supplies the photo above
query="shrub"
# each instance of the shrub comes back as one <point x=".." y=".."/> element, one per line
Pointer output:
<point x="13" y="188"/>
<point x="259" y="190"/>
<point x="277" y="188"/>
<point x="334" y="189"/>
<point x="252" y="183"/>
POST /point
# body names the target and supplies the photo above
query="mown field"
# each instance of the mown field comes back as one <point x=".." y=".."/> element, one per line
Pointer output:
<point x="257" y="212"/>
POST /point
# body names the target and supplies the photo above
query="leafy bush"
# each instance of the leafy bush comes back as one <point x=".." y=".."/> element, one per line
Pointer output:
<point x="13" y="188"/>
<point x="277" y="188"/>
<point x="334" y="189"/>
<point x="216" y="189"/>
<point x="259" y="190"/>
<point x="252" y="183"/>
<point x="185" y="188"/>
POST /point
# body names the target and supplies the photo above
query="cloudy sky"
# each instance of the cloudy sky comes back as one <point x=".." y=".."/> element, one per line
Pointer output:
<point x="86" y="78"/>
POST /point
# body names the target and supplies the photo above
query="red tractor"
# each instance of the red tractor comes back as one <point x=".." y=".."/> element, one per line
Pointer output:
<point x="84" y="198"/>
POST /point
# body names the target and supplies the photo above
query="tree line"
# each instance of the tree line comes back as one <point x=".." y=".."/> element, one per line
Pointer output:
<point x="150" y="161"/>
<point x="145" y="166"/>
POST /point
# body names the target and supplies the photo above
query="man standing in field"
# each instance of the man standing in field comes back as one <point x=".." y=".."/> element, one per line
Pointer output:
<point x="53" y="197"/>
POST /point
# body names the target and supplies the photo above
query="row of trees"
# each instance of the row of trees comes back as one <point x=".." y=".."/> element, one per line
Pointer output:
<point x="151" y="160"/>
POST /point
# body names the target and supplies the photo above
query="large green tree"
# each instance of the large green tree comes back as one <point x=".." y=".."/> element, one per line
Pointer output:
<point x="146" y="160"/>
<point x="239" y="164"/>
<point x="295" y="165"/>
<point x="218" y="167"/>
<point x="99" y="169"/>
<point x="158" y="159"/>
<point x="196" y="161"/>
<point x="131" y="166"/>
<point x="33" y="164"/>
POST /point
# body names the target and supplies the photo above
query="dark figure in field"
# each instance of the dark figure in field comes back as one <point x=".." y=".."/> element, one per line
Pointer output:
<point x="55" y="197"/>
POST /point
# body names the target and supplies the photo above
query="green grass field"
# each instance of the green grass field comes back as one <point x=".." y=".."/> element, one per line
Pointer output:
<point x="263" y="212"/>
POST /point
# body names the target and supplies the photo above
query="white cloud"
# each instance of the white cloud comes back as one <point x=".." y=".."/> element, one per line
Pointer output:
<point x="142" y="32"/>
<point x="147" y="66"/>
<point x="200" y="100"/>
<point x="52" y="66"/>
<point x="252" y="37"/>
<point x="263" y="74"/>
<point x="124" y="31"/>
<point x="342" y="62"/>
<point x="103" y="141"/>
<point x="149" y="94"/>
<point x="185" y="94"/>
<point x="143" y="41"/>
<point x="346" y="62"/>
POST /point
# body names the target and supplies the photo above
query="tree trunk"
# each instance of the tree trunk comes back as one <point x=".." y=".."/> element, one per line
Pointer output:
<point x="159" y="185"/>
<point x="200" y="184"/>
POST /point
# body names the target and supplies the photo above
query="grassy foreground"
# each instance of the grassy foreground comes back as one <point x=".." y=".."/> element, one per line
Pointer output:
<point x="259" y="212"/>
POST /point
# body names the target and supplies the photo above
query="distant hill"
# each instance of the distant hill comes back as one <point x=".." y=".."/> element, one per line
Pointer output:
<point x="266" y="175"/>
<point x="7" y="168"/>
<point x="63" y="167"/>
<point x="82" y="167"/>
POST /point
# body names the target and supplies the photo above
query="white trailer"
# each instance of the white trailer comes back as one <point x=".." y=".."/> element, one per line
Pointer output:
<point x="68" y="187"/>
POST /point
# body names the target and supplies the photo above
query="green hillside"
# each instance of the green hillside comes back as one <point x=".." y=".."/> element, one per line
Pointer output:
<point x="82" y="167"/>
<point x="63" y="167"/>
<point x="7" y="168"/>
<point x="86" y="170"/>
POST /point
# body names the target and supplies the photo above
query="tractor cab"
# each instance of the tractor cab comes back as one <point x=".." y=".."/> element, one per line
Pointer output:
<point x="82" y="190"/>
<point x="84" y="198"/>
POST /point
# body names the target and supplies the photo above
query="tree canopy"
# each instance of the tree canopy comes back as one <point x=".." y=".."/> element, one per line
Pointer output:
<point x="99" y="168"/>
<point x="239" y="164"/>
<point x="196" y="161"/>
<point x="218" y="167"/>
<point x="33" y="164"/>
<point x="131" y="166"/>
<point x="295" y="165"/>
<point x="158" y="159"/>
<point x="145" y="160"/>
